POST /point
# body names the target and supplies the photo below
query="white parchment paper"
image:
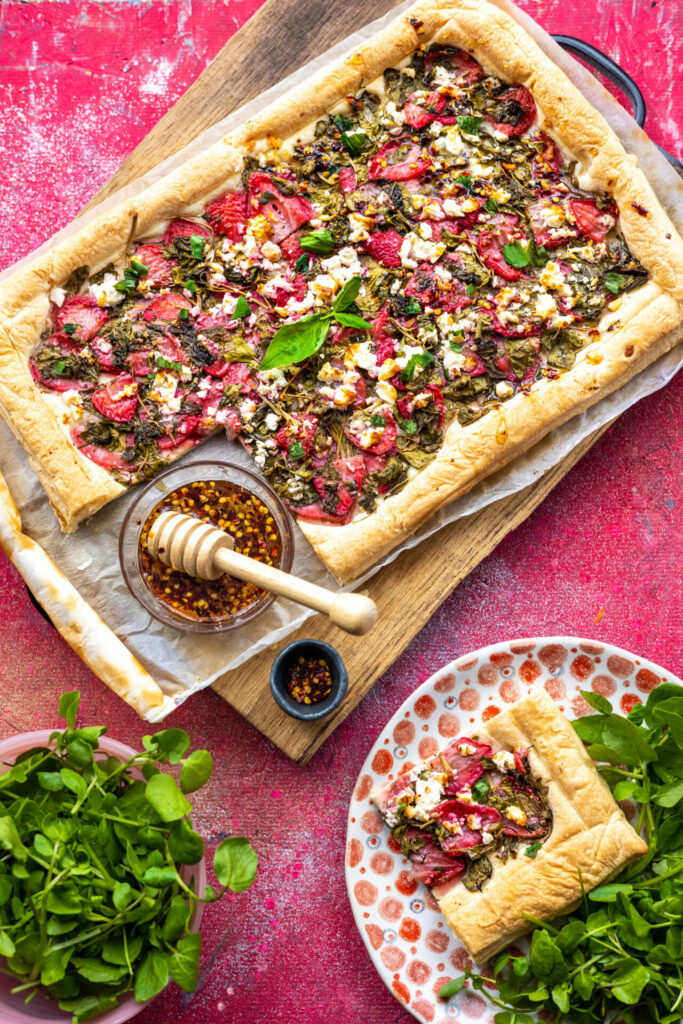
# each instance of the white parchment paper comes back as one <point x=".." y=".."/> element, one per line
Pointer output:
<point x="183" y="663"/>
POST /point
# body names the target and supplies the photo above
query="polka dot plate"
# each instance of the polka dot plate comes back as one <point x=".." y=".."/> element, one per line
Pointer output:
<point x="409" y="942"/>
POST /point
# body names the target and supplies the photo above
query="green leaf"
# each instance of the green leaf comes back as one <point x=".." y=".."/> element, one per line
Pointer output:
<point x="348" y="295"/>
<point x="546" y="959"/>
<point x="122" y="896"/>
<point x="51" y="781"/>
<point x="75" y="782"/>
<point x="64" y="899"/>
<point x="597" y="701"/>
<point x="184" y="963"/>
<point x="452" y="987"/>
<point x="421" y="359"/>
<point x="185" y="845"/>
<point x="296" y="341"/>
<point x="115" y="951"/>
<point x="59" y="367"/>
<point x="176" y="919"/>
<point x="491" y="206"/>
<point x="168" y="364"/>
<point x="242" y="308"/>
<point x="196" y="771"/>
<point x="532" y="849"/>
<point x="408" y="426"/>
<point x="80" y="752"/>
<point x="296" y="451"/>
<point x="302" y="262"/>
<point x="516" y="254"/>
<point x="629" y="981"/>
<point x="7" y="947"/>
<point x="351" y="320"/>
<point x="167" y="800"/>
<point x="608" y="893"/>
<point x="626" y="738"/>
<point x="469" y="124"/>
<point x="355" y="142"/>
<point x="590" y="728"/>
<point x="10" y="840"/>
<point x="342" y="121"/>
<point x="600" y="752"/>
<point x="152" y="976"/>
<point x="669" y="795"/>
<point x="614" y="282"/>
<point x="412" y="307"/>
<point x="159" y="877"/>
<point x="172" y="743"/>
<point x="625" y="788"/>
<point x="183" y="314"/>
<point x="99" y="972"/>
<point x="560" y="996"/>
<point x="68" y="707"/>
<point x="673" y="722"/>
<point x="53" y="967"/>
<point x="464" y="180"/>
<point x="197" y="244"/>
<point x="319" y="242"/>
<point x="480" y="789"/>
<point x="235" y="862"/>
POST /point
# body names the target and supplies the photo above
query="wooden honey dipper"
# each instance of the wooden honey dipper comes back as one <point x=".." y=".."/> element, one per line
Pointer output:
<point x="200" y="549"/>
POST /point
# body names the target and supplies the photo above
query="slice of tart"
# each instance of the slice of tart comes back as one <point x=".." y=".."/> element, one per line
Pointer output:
<point x="508" y="822"/>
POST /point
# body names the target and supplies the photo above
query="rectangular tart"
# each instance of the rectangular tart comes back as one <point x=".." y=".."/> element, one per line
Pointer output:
<point x="461" y="250"/>
<point x="572" y="832"/>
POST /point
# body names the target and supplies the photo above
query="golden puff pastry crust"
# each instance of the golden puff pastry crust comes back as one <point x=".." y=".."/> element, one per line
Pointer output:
<point x="590" y="835"/>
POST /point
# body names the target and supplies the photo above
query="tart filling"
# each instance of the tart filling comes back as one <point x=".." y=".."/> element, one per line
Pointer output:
<point x="453" y="817"/>
<point x="427" y="247"/>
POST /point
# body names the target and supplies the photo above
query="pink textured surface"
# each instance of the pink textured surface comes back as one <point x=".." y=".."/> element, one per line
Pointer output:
<point x="83" y="84"/>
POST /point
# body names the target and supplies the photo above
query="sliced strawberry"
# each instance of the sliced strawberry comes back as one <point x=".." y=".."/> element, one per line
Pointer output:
<point x="384" y="444"/>
<point x="520" y="755"/>
<point x="399" y="160"/>
<point x="170" y="348"/>
<point x="100" y="456"/>
<point x="184" y="228"/>
<point x="104" y="353"/>
<point x="351" y="470"/>
<point x="56" y="383"/>
<point x="474" y="364"/>
<point x="83" y="311"/>
<point x="188" y="433"/>
<point x="433" y="866"/>
<point x="515" y="111"/>
<point x="592" y="222"/>
<point x="298" y="429"/>
<point x="118" y="400"/>
<point x="347" y="180"/>
<point x="420" y="110"/>
<point x="548" y="161"/>
<point x="315" y="512"/>
<point x="139" y="363"/>
<point x="158" y="267"/>
<point x="464" y="68"/>
<point x="166" y="307"/>
<point x="490" y="248"/>
<point x="385" y="247"/>
<point x="284" y="213"/>
<point x="291" y="247"/>
<point x="228" y="214"/>
<point x="335" y="491"/>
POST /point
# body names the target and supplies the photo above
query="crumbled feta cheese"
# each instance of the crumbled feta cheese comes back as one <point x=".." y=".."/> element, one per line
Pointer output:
<point x="359" y="227"/>
<point x="360" y="354"/>
<point x="406" y="355"/>
<point x="504" y="389"/>
<point x="106" y="294"/>
<point x="428" y="793"/>
<point x="504" y="760"/>
<point x="271" y="251"/>
<point x="552" y="276"/>
<point x="460" y="207"/>
<point x="270" y="288"/>
<point x="552" y="214"/>
<point x="464" y="749"/>
<point x="545" y="306"/>
<point x="163" y="391"/>
<point x="415" y="250"/>
<point x="247" y="408"/>
<point x="271" y="421"/>
<point x="386" y="392"/>
<point x="516" y="814"/>
<point x="57" y="295"/>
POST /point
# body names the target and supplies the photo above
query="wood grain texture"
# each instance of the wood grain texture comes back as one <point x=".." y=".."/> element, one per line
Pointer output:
<point x="252" y="61"/>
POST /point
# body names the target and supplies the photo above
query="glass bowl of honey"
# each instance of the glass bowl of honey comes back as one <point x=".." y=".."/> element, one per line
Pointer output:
<point x="230" y="498"/>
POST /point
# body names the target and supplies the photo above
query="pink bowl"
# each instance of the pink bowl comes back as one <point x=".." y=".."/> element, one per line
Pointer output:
<point x="13" y="1009"/>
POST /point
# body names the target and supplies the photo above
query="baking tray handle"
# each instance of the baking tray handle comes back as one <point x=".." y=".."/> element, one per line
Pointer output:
<point x="599" y="61"/>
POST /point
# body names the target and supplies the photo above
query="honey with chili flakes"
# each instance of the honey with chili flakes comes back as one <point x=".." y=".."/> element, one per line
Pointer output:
<point x="253" y="529"/>
<point x="308" y="679"/>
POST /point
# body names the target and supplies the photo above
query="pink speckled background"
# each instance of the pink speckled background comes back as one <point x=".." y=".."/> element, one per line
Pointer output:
<point x="80" y="84"/>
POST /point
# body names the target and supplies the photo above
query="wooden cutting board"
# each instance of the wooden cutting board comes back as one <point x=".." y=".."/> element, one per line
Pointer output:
<point x="282" y="36"/>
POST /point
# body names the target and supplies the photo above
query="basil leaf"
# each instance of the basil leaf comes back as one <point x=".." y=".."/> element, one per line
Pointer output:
<point x="421" y="359"/>
<point x="197" y="245"/>
<point x="378" y="421"/>
<point x="451" y="988"/>
<point x="296" y="341"/>
<point x="235" y="862"/>
<point x="242" y="308"/>
<point x="297" y="451"/>
<point x="614" y="282"/>
<point x="320" y="242"/>
<point x="301" y="263"/>
<point x="355" y="142"/>
<point x="184" y="314"/>
<point x="350" y="320"/>
<point x="409" y="426"/>
<point x="348" y="295"/>
<point x="412" y="307"/>
<point x="70" y="329"/>
<point x="464" y="180"/>
<point x="532" y="849"/>
<point x="516" y="255"/>
<point x="342" y="122"/>
<point x="168" y="364"/>
<point x="469" y="124"/>
<point x="597" y="701"/>
<point x="480" y="789"/>
<point x="491" y="206"/>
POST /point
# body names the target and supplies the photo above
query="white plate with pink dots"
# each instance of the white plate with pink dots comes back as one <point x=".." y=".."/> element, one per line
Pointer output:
<point x="408" y="940"/>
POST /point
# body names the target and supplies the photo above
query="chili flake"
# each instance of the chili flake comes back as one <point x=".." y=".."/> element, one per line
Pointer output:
<point x="238" y="512"/>
<point x="308" y="680"/>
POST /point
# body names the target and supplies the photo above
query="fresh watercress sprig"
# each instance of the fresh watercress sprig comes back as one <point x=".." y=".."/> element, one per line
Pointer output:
<point x="299" y="340"/>
<point x="619" y="957"/>
<point x="93" y="902"/>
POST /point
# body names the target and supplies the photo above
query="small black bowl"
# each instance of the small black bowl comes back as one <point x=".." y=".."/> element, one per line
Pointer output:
<point x="278" y="686"/>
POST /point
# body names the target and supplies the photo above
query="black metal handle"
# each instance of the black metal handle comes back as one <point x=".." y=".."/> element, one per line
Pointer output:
<point x="611" y="70"/>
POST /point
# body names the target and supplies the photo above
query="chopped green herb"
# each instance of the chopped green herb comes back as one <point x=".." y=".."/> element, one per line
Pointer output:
<point x="479" y="789"/>
<point x="614" y="282"/>
<point x="197" y="243"/>
<point x="469" y="124"/>
<point x="412" y="307"/>
<point x="184" y="314"/>
<point x="418" y="359"/>
<point x="191" y="286"/>
<point x="70" y="329"/>
<point x="320" y="242"/>
<point x="516" y="254"/>
<point x="355" y="142"/>
<point x="296" y="451"/>
<point x="491" y="206"/>
<point x="242" y="308"/>
<point x="464" y="180"/>
<point x="342" y="122"/>
<point x="377" y="421"/>
<point x="301" y="263"/>
<point x="532" y="849"/>
<point x="59" y="367"/>
<point x="470" y="289"/>
<point x="168" y="364"/>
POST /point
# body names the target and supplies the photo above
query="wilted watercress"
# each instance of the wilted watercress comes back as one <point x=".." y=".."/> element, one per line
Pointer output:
<point x="92" y="899"/>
